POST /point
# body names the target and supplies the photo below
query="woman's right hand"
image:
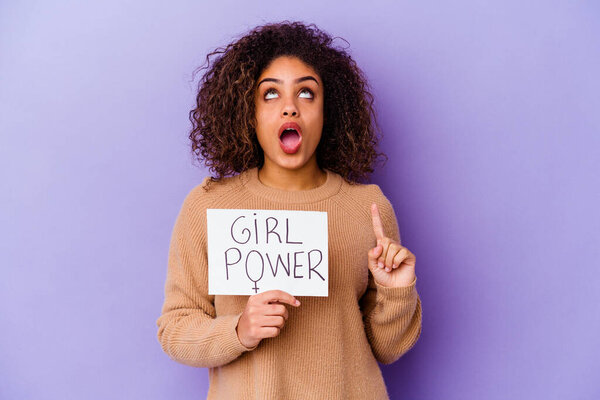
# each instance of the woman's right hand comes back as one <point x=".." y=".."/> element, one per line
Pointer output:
<point x="264" y="316"/>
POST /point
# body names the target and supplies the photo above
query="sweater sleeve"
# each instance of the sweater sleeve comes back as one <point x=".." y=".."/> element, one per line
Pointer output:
<point x="391" y="315"/>
<point x="189" y="330"/>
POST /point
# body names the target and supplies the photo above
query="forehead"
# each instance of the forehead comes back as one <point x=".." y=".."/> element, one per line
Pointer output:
<point x="284" y="67"/>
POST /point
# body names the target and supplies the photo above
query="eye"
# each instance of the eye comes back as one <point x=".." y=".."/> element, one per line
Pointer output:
<point x="272" y="93"/>
<point x="310" y="93"/>
<point x="267" y="93"/>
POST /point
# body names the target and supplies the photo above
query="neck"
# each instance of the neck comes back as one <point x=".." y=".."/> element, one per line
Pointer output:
<point x="309" y="176"/>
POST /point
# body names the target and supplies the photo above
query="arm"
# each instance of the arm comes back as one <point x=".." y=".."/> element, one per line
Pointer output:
<point x="391" y="315"/>
<point x="188" y="329"/>
<point x="392" y="318"/>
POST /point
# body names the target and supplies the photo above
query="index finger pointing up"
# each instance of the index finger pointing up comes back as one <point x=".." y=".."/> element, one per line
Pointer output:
<point x="377" y="225"/>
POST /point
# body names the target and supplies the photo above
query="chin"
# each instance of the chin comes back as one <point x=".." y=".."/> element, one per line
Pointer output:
<point x="291" y="162"/>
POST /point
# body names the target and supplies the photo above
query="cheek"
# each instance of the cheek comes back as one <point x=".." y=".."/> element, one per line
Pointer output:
<point x="317" y="123"/>
<point x="262" y="135"/>
<point x="261" y="125"/>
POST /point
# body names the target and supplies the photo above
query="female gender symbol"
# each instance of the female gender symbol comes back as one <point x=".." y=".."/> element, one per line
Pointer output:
<point x="262" y="269"/>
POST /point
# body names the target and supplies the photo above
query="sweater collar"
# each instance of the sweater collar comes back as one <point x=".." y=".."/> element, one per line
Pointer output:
<point x="329" y="188"/>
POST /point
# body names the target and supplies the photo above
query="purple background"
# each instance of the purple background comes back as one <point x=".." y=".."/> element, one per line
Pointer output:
<point x="491" y="121"/>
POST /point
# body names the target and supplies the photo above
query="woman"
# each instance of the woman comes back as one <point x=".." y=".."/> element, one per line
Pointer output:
<point x="284" y="121"/>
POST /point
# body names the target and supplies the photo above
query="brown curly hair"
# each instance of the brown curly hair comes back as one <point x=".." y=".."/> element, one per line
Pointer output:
<point x="223" y="122"/>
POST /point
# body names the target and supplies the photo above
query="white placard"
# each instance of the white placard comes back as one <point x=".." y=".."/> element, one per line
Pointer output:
<point x="252" y="251"/>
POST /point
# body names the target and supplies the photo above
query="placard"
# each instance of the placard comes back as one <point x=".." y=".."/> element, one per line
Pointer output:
<point x="252" y="251"/>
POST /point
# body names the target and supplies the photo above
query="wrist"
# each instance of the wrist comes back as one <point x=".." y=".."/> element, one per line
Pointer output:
<point x="406" y="281"/>
<point x="242" y="339"/>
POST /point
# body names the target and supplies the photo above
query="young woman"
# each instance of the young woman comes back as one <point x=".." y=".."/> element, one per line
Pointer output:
<point x="285" y="122"/>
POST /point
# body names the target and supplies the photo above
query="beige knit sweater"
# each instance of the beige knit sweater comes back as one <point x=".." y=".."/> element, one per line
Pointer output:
<point x="329" y="346"/>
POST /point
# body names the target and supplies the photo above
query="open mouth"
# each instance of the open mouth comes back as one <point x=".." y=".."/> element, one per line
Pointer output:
<point x="290" y="138"/>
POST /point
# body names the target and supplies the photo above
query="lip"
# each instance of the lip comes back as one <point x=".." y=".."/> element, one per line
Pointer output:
<point x="295" y="126"/>
<point x="292" y="125"/>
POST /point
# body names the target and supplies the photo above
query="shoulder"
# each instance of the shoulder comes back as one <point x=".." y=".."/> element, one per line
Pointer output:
<point x="363" y="195"/>
<point x="357" y="199"/>
<point x="210" y="194"/>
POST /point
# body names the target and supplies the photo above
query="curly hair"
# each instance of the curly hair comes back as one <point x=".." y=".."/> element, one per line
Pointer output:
<point x="223" y="122"/>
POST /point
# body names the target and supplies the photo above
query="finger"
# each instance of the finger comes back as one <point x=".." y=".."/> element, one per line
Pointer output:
<point x="401" y="256"/>
<point x="373" y="257"/>
<point x="385" y="243"/>
<point x="377" y="225"/>
<point x="278" y="296"/>
<point x="276" y="309"/>
<point x="392" y="252"/>
<point x="272" y="320"/>
<point x="375" y="252"/>
<point x="269" y="331"/>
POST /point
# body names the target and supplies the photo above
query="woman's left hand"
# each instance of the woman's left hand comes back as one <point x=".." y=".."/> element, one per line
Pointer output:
<point x="391" y="264"/>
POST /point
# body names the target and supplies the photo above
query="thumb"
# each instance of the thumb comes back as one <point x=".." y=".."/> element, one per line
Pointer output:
<point x="374" y="254"/>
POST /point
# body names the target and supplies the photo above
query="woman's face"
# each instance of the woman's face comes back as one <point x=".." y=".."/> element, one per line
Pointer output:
<point x="289" y="92"/>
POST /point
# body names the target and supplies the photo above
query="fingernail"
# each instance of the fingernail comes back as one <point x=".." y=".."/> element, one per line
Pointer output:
<point x="380" y="264"/>
<point x="297" y="302"/>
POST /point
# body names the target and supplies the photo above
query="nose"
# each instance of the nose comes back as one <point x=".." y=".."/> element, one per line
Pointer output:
<point x="289" y="108"/>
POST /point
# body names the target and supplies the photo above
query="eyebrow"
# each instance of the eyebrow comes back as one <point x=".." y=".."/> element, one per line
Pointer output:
<point x="304" y="78"/>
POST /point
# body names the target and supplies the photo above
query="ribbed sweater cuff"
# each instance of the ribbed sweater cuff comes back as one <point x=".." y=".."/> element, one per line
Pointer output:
<point x="396" y="293"/>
